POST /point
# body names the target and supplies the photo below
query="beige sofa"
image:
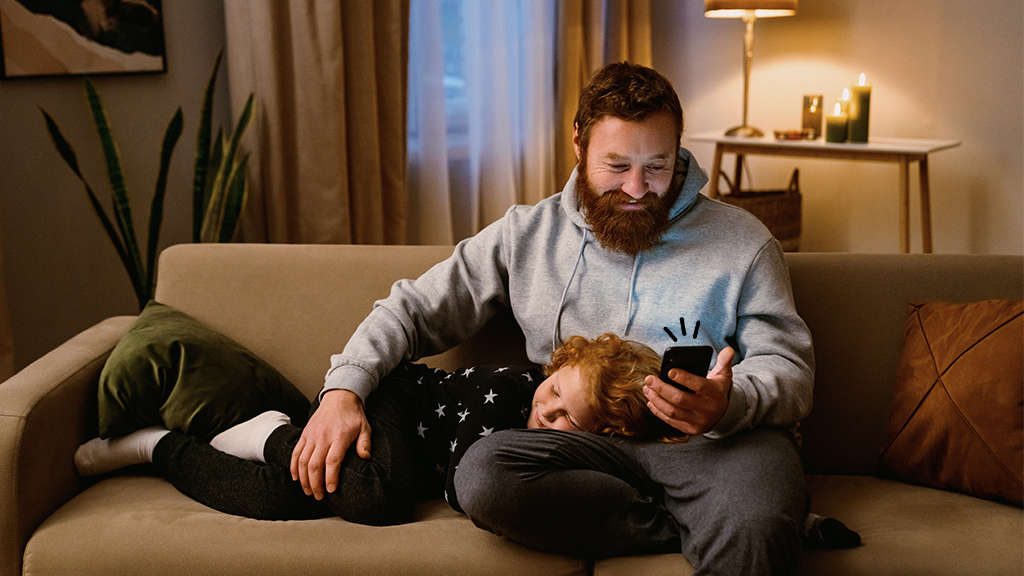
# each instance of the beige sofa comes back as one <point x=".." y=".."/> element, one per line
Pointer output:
<point x="295" y="305"/>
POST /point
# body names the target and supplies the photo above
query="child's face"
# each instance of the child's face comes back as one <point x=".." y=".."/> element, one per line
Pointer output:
<point x="560" y="403"/>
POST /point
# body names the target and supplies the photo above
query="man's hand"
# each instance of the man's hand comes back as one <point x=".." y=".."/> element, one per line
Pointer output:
<point x="694" y="413"/>
<point x="335" y="425"/>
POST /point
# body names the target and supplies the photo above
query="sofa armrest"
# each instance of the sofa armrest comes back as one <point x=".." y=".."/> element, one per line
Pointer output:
<point x="46" y="411"/>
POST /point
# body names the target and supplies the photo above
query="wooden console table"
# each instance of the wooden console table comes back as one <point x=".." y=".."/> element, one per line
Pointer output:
<point x="902" y="151"/>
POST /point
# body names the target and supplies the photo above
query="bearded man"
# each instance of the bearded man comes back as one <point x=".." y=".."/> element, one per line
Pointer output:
<point x="628" y="246"/>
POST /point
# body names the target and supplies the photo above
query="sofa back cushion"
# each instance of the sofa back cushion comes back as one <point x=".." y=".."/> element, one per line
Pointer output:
<point x="295" y="305"/>
<point x="856" y="306"/>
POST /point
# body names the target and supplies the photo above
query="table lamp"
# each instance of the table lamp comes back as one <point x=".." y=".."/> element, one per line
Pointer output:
<point x="749" y="10"/>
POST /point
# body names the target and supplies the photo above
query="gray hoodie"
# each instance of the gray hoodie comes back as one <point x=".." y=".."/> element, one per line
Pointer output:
<point x="716" y="277"/>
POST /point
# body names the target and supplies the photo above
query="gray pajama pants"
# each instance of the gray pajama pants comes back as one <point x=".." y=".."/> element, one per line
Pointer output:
<point x="732" y="506"/>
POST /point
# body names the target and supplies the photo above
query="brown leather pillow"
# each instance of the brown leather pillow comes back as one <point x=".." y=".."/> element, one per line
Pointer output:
<point x="957" y="415"/>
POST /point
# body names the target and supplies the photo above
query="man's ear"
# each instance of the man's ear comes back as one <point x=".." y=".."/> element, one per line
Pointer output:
<point x="576" y="140"/>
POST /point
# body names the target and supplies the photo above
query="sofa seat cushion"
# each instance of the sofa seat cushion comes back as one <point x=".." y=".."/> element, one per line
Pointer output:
<point x="904" y="529"/>
<point x="139" y="524"/>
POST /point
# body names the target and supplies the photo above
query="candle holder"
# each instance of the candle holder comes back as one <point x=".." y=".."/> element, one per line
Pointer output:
<point x="802" y="134"/>
<point x="813" y="115"/>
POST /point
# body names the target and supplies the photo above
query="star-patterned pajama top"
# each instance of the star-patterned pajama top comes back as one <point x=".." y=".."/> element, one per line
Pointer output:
<point x="458" y="408"/>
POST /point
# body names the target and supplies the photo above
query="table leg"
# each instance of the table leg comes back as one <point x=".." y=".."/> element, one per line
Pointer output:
<point x="736" y="183"/>
<point x="926" y="210"/>
<point x="904" y="204"/>
<point x="716" y="172"/>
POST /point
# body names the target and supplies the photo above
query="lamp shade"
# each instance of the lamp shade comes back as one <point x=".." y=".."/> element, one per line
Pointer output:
<point x="739" y="8"/>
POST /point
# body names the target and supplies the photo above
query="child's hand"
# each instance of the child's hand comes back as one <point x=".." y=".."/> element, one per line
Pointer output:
<point x="700" y="411"/>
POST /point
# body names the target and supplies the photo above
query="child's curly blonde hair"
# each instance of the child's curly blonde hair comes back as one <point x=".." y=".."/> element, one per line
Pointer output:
<point x="613" y="372"/>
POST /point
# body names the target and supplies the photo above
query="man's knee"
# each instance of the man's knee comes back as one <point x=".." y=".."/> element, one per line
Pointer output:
<point x="480" y="474"/>
<point x="498" y="473"/>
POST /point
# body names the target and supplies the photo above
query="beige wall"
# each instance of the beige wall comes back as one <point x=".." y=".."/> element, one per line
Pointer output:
<point x="942" y="69"/>
<point x="61" y="271"/>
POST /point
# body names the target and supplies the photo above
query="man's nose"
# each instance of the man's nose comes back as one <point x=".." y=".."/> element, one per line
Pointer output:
<point x="635" y="184"/>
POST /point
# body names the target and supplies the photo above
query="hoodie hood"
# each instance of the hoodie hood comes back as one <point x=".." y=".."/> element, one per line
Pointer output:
<point x="688" y="175"/>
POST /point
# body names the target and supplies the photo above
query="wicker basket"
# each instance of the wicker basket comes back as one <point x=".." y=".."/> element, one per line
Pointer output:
<point x="780" y="210"/>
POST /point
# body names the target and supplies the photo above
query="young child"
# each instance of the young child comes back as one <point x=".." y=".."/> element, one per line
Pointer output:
<point x="593" y="386"/>
<point x="589" y="386"/>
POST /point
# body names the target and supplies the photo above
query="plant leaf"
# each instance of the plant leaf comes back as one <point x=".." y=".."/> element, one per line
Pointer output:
<point x="122" y="204"/>
<point x="156" y="209"/>
<point x="199" y="187"/>
<point x="213" y="222"/>
<point x="61" y="144"/>
<point x="67" y="152"/>
<point x="234" y="202"/>
<point x="215" y="204"/>
<point x="121" y="253"/>
<point x="216" y="157"/>
<point x="243" y="123"/>
<point x="216" y="161"/>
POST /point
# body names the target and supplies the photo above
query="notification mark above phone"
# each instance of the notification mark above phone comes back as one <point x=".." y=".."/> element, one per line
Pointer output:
<point x="682" y="326"/>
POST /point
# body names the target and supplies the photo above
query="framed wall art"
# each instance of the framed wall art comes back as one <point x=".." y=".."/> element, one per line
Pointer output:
<point x="62" y="37"/>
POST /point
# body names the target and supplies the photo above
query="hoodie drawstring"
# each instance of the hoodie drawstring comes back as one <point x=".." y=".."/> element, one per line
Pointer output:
<point x="561" y="303"/>
<point x="629" y="296"/>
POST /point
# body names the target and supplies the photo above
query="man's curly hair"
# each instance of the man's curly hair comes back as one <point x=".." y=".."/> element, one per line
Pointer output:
<point x="626" y="91"/>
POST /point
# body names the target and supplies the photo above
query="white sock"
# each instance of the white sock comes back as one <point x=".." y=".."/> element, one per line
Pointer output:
<point x="246" y="440"/>
<point x="811" y="522"/>
<point x="99" y="456"/>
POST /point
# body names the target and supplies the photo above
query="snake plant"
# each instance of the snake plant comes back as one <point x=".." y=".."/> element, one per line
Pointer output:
<point x="217" y="202"/>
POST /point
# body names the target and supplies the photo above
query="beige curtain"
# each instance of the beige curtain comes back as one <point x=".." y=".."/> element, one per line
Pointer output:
<point x="328" y="140"/>
<point x="593" y="33"/>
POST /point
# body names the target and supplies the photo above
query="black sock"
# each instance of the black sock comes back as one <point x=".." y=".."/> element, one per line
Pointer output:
<point x="822" y="533"/>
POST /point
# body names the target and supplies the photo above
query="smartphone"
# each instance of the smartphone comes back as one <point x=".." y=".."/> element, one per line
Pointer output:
<point x="693" y="359"/>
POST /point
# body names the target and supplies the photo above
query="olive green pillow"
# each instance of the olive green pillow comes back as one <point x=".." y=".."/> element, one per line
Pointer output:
<point x="169" y="369"/>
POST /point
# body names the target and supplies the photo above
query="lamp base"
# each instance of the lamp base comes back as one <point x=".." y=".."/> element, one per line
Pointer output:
<point x="744" y="132"/>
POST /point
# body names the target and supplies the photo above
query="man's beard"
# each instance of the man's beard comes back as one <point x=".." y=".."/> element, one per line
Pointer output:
<point x="626" y="231"/>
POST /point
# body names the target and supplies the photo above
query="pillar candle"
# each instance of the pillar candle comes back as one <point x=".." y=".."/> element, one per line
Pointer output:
<point x="835" y="125"/>
<point x="844" y="102"/>
<point x="860" y="110"/>
<point x="812" y="114"/>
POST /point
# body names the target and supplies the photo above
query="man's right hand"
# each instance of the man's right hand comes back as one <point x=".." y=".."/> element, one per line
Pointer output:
<point x="334" y="426"/>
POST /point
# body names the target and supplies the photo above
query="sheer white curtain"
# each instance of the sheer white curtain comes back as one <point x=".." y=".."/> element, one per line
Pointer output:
<point x="481" y="113"/>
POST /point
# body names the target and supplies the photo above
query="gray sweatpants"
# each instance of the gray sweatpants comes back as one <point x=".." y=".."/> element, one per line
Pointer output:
<point x="732" y="506"/>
